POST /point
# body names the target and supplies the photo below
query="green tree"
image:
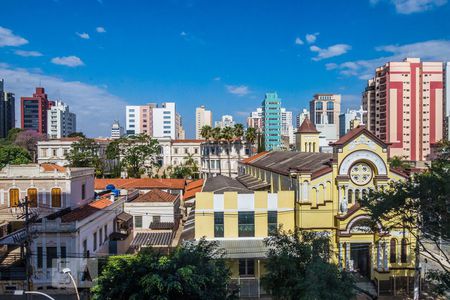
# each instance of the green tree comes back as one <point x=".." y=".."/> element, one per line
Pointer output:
<point x="298" y="267"/>
<point x="12" y="134"/>
<point x="13" y="155"/>
<point x="138" y="154"/>
<point x="85" y="153"/>
<point x="77" y="134"/>
<point x="206" y="133"/>
<point x="192" y="271"/>
<point x="28" y="140"/>
<point x="113" y="155"/>
<point x="250" y="138"/>
<point x="399" y="162"/>
<point x="228" y="136"/>
<point x="420" y="204"/>
<point x="191" y="163"/>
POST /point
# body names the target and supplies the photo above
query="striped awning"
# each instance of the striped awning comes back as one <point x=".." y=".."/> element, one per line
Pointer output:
<point x="154" y="239"/>
<point x="243" y="248"/>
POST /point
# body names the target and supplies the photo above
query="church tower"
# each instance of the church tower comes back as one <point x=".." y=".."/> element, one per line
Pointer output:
<point x="307" y="137"/>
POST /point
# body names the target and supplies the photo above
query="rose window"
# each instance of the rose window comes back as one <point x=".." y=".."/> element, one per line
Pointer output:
<point x="361" y="173"/>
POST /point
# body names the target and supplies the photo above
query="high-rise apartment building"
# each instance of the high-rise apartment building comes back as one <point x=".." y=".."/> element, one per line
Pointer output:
<point x="226" y="121"/>
<point x="7" y="111"/>
<point x="287" y="128"/>
<point x="301" y="117"/>
<point x="255" y="120"/>
<point x="271" y="107"/>
<point x="325" y="110"/>
<point x="180" y="133"/>
<point x="164" y="120"/>
<point x="34" y="111"/>
<point x="202" y="117"/>
<point x="116" y="130"/>
<point x="405" y="104"/>
<point x="345" y="121"/>
<point x="60" y="121"/>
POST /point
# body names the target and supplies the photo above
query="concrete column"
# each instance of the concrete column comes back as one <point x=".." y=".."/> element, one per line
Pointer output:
<point x="386" y="256"/>
<point x="339" y="198"/>
<point x="347" y="256"/>
<point x="379" y="256"/>
<point x="300" y="190"/>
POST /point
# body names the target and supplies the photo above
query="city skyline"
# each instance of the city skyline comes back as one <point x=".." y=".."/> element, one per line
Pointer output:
<point x="178" y="52"/>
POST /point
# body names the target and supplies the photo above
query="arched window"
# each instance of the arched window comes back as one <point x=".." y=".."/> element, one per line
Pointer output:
<point x="330" y="105"/>
<point x="357" y="195"/>
<point x="350" y="196"/>
<point x="319" y="105"/>
<point x="393" y="252"/>
<point x="404" y="251"/>
<point x="32" y="194"/>
<point x="56" y="197"/>
<point x="14" y="197"/>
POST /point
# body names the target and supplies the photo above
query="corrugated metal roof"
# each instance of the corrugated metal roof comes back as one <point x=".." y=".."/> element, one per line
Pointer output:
<point x="243" y="248"/>
<point x="220" y="184"/>
<point x="152" y="239"/>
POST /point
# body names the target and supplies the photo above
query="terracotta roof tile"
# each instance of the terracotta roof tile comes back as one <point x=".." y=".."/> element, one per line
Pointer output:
<point x="307" y="127"/>
<point x="156" y="196"/>
<point x="141" y="183"/>
<point x="52" y="167"/>
<point x="85" y="211"/>
<point x="192" y="188"/>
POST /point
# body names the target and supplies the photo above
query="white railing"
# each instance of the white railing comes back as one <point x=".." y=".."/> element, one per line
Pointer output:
<point x="248" y="287"/>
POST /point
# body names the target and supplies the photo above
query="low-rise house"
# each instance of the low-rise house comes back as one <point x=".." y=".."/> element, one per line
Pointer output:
<point x="221" y="158"/>
<point x="156" y="216"/>
<point x="143" y="185"/>
<point x="239" y="219"/>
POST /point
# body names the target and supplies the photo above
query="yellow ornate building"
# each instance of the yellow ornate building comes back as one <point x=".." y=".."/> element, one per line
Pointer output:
<point x="326" y="189"/>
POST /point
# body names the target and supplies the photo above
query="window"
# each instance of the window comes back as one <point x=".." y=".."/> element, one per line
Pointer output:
<point x="85" y="250"/>
<point x="138" y="221"/>
<point x="56" y="197"/>
<point x="83" y="191"/>
<point x="404" y="251"/>
<point x="330" y="117"/>
<point x="100" y="236"/>
<point x="318" y="118"/>
<point x="330" y="105"/>
<point x="272" y="222"/>
<point x="246" y="221"/>
<point x="39" y="257"/>
<point x="94" y="242"/>
<point x="246" y="267"/>
<point x="51" y="255"/>
<point x="175" y="150"/>
<point x="55" y="152"/>
<point x="218" y="224"/>
<point x="106" y="232"/>
<point x="393" y="252"/>
<point x="319" y="105"/>
<point x="156" y="219"/>
<point x="14" y="197"/>
<point x="32" y="197"/>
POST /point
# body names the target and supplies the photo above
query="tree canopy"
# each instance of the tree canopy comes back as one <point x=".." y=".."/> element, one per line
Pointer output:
<point x="192" y="271"/>
<point x="13" y="155"/>
<point x="138" y="154"/>
<point x="298" y="267"/>
<point x="85" y="153"/>
<point x="420" y="204"/>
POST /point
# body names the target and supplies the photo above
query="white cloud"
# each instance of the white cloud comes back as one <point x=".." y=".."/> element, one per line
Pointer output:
<point x="298" y="41"/>
<point x="331" y="66"/>
<point x="331" y="51"/>
<point x="433" y="50"/>
<point x="217" y="78"/>
<point x="8" y="38"/>
<point x="83" y="35"/>
<point x="349" y="101"/>
<point x="69" y="61"/>
<point x="311" y="37"/>
<point x="183" y="33"/>
<point x="407" y="7"/>
<point x="100" y="29"/>
<point x="238" y="90"/>
<point x="95" y="109"/>
<point x="28" y="53"/>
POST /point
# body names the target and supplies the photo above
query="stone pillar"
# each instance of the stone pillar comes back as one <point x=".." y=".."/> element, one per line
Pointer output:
<point x="300" y="190"/>
<point x="379" y="256"/>
<point x="347" y="256"/>
<point x="386" y="256"/>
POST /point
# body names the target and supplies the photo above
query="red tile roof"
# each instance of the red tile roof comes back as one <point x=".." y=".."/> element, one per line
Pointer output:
<point x="356" y="132"/>
<point x="141" y="183"/>
<point x="52" y="167"/>
<point x="85" y="211"/>
<point x="192" y="188"/>
<point x="254" y="157"/>
<point x="307" y="127"/>
<point x="156" y="196"/>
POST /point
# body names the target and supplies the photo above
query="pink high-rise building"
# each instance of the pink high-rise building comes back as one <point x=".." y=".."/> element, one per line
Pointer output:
<point x="404" y="104"/>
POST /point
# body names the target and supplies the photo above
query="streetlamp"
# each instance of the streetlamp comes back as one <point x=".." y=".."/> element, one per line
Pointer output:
<point x="68" y="272"/>
<point x="22" y="292"/>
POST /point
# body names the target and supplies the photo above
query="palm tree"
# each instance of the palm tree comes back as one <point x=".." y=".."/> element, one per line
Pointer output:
<point x="206" y="133"/>
<point x="228" y="135"/>
<point x="191" y="163"/>
<point x="217" y="137"/>
<point x="399" y="162"/>
<point x="250" y="138"/>
<point x="238" y="131"/>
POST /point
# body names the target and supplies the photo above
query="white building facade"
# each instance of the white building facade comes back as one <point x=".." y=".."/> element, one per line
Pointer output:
<point x="225" y="121"/>
<point x="301" y="116"/>
<point x="219" y="158"/>
<point x="202" y="117"/>
<point x="255" y="120"/>
<point x="287" y="128"/>
<point x="116" y="130"/>
<point x="60" y="121"/>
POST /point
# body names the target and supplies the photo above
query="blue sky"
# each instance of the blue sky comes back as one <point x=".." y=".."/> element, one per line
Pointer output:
<point x="98" y="56"/>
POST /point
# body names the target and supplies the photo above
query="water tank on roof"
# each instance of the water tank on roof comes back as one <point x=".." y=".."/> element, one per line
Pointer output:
<point x="110" y="187"/>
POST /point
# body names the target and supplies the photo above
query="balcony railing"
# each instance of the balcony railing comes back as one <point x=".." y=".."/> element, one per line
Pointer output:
<point x="248" y="287"/>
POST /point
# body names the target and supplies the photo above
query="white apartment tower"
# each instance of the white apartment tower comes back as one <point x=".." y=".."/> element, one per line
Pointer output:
<point x="301" y="117"/>
<point x="116" y="130"/>
<point x="255" y="120"/>
<point x="202" y="117"/>
<point x="287" y="129"/>
<point x="60" y="121"/>
<point x="226" y="121"/>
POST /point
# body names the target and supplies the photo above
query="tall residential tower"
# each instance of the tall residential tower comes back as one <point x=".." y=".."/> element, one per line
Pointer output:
<point x="202" y="117"/>
<point x="271" y="107"/>
<point x="34" y="111"/>
<point x="7" y="111"/>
